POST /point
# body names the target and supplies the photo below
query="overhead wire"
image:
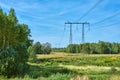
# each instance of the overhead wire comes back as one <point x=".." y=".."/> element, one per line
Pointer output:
<point x="93" y="7"/>
<point x="109" y="17"/>
<point x="109" y="25"/>
<point x="105" y="19"/>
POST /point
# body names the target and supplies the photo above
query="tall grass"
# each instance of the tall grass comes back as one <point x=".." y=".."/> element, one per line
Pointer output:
<point x="74" y="67"/>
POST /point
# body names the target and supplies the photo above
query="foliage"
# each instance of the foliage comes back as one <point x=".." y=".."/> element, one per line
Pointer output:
<point x="71" y="48"/>
<point x="46" y="48"/>
<point x="113" y="69"/>
<point x="99" y="77"/>
<point x="46" y="71"/>
<point x="42" y="49"/>
<point x="12" y="63"/>
<point x="58" y="49"/>
<point x="40" y="71"/>
<point x="11" y="32"/>
<point x="14" y="41"/>
<point x="32" y="55"/>
<point x="94" y="48"/>
<point x="81" y="60"/>
<point x="37" y="48"/>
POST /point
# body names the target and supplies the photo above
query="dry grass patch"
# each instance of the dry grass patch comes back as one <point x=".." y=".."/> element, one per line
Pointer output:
<point x="84" y="77"/>
<point x="87" y="67"/>
<point x="115" y="78"/>
<point x="64" y="55"/>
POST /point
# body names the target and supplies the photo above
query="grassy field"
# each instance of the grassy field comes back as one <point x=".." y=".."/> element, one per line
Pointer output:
<point x="64" y="66"/>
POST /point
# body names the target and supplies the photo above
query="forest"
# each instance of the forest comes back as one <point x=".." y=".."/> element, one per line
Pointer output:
<point x="95" y="48"/>
<point x="91" y="48"/>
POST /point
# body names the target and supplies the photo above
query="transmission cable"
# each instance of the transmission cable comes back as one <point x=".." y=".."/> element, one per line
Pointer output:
<point x="109" y="17"/>
<point x="93" y="7"/>
<point x="109" y="25"/>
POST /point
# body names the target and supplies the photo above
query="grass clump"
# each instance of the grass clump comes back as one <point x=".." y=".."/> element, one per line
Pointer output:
<point x="59" y="76"/>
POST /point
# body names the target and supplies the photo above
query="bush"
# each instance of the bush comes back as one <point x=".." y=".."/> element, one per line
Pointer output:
<point x="113" y="69"/>
<point x="12" y="62"/>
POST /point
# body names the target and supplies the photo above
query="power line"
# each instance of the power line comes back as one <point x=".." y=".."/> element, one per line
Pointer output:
<point x="109" y="17"/>
<point x="93" y="7"/>
<point x="109" y="25"/>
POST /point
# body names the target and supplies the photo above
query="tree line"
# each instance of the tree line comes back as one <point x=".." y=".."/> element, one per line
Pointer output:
<point x="95" y="48"/>
<point x="59" y="49"/>
<point x="92" y="48"/>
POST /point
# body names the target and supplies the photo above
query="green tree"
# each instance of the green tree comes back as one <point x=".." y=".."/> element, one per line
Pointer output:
<point x="46" y="48"/>
<point x="71" y="48"/>
<point x="86" y="48"/>
<point x="23" y="34"/>
<point x="94" y="48"/>
<point x="32" y="55"/>
<point x="37" y="48"/>
<point x="14" y="38"/>
<point x="115" y="48"/>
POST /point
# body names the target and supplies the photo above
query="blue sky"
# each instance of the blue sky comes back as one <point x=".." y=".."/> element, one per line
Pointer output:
<point x="46" y="19"/>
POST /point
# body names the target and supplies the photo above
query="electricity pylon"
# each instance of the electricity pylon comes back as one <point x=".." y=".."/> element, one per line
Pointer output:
<point x="83" y="33"/>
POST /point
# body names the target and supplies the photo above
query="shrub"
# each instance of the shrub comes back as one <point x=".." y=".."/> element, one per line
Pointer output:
<point x="12" y="62"/>
<point x="113" y="69"/>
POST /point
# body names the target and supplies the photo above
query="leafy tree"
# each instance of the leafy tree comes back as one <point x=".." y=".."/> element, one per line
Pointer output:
<point x="42" y="49"/>
<point x="24" y="34"/>
<point x="14" y="40"/>
<point x="78" y="48"/>
<point x="86" y="48"/>
<point x="32" y="55"/>
<point x="115" y="48"/>
<point x="71" y="48"/>
<point x="46" y="48"/>
<point x="37" y="48"/>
